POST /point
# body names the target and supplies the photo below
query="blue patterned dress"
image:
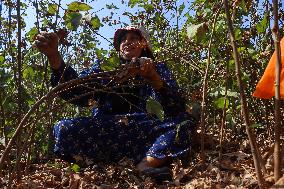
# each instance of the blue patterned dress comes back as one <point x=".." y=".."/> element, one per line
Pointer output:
<point x="119" y="125"/>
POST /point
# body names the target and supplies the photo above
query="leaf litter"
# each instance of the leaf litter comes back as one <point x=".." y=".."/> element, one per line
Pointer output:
<point x="233" y="169"/>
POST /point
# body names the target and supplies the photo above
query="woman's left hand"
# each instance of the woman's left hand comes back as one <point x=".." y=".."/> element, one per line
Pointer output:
<point x="147" y="68"/>
<point x="148" y="71"/>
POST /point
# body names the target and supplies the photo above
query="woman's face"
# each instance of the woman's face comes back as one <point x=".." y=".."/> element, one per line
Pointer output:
<point x="130" y="45"/>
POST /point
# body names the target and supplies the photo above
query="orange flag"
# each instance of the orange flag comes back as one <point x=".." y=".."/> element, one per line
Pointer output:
<point x="266" y="86"/>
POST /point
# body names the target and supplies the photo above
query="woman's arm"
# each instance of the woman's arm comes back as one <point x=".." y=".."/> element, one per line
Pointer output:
<point x="47" y="43"/>
<point x="169" y="94"/>
<point x="164" y="86"/>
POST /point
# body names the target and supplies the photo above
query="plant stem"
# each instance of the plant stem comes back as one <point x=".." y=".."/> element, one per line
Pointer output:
<point x="204" y="88"/>
<point x="249" y="129"/>
<point x="275" y="32"/>
<point x="223" y="123"/>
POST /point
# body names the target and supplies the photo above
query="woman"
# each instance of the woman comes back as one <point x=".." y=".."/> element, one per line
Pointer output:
<point x="120" y="126"/>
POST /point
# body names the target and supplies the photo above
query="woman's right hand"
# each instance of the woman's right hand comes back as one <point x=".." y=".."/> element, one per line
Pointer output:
<point x="47" y="43"/>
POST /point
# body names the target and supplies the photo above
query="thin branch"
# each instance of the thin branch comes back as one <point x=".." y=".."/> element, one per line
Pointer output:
<point x="19" y="57"/>
<point x="204" y="88"/>
<point x="276" y="37"/>
<point x="249" y="129"/>
<point x="223" y="123"/>
<point x="51" y="95"/>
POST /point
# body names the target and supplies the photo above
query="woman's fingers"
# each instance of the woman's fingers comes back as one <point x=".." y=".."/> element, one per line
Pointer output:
<point x="146" y="64"/>
<point x="40" y="44"/>
<point x="41" y="38"/>
<point x="52" y="37"/>
<point x="47" y="43"/>
<point x="147" y="68"/>
<point x="47" y="37"/>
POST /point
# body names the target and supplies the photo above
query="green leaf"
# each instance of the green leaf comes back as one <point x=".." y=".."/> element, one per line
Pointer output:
<point x="100" y="53"/>
<point x="75" y="168"/>
<point x="52" y="8"/>
<point x="262" y="26"/>
<point x="197" y="31"/>
<point x="78" y="6"/>
<point x="221" y="91"/>
<point x="73" y="20"/>
<point x="192" y="30"/>
<point x="181" y="8"/>
<point x="2" y="58"/>
<point x="246" y="4"/>
<point x="132" y="3"/>
<point x="96" y="23"/>
<point x="88" y="37"/>
<point x="238" y="34"/>
<point x="231" y="122"/>
<point x="111" y="6"/>
<point x="31" y="34"/>
<point x="154" y="107"/>
<point x="149" y="7"/>
<point x="220" y="102"/>
<point x="111" y="63"/>
<point x="28" y="73"/>
<point x="233" y="94"/>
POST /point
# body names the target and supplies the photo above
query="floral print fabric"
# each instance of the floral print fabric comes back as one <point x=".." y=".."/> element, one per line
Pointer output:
<point x="120" y="126"/>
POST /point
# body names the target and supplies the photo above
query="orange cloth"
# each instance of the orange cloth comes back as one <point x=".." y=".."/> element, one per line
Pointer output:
<point x="266" y="86"/>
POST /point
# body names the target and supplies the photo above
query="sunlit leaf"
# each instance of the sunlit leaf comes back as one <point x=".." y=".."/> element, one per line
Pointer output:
<point x="149" y="7"/>
<point x="52" y="9"/>
<point x="197" y="31"/>
<point x="79" y="6"/>
<point x="262" y="26"/>
<point x="28" y="73"/>
<point x="232" y="94"/>
<point x="132" y="3"/>
<point x="75" y="168"/>
<point x="220" y="103"/>
<point x="2" y="58"/>
<point x="73" y="20"/>
<point x="32" y="33"/>
<point x="110" y="63"/>
<point x="181" y="8"/>
<point x="154" y="107"/>
<point x="96" y="23"/>
<point x="238" y="34"/>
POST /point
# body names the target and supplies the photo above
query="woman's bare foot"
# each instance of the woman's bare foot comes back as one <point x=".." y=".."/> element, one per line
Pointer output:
<point x="150" y="162"/>
<point x="151" y="167"/>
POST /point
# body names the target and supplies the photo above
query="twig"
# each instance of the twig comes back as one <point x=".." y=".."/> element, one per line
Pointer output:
<point x="204" y="88"/>
<point x="223" y="123"/>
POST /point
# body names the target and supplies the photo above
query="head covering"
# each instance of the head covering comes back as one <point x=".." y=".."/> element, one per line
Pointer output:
<point x="140" y="30"/>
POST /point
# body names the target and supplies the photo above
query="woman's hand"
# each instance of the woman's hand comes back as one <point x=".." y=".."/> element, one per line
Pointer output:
<point x="47" y="43"/>
<point x="148" y="71"/>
